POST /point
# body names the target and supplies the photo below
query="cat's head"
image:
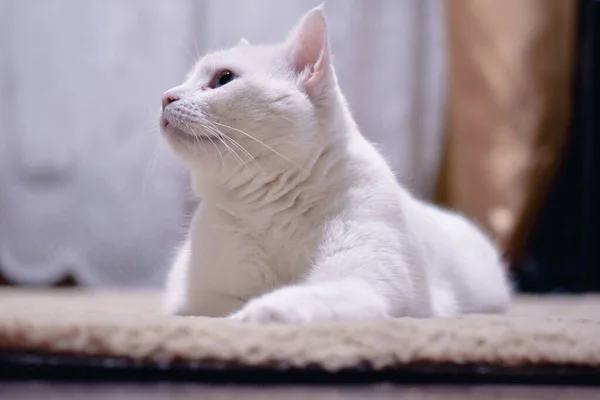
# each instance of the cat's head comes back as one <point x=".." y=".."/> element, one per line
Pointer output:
<point x="263" y="106"/>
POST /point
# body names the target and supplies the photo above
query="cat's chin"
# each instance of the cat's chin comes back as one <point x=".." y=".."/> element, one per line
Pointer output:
<point x="179" y="137"/>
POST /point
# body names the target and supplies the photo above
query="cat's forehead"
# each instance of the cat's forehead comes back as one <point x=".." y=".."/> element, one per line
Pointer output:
<point x="241" y="59"/>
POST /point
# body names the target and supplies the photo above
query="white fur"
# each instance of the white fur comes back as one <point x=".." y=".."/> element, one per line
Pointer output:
<point x="302" y="219"/>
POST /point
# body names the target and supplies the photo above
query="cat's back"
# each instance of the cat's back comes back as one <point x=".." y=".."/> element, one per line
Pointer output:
<point x="460" y="258"/>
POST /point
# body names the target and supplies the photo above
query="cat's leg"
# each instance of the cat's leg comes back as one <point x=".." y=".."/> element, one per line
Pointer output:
<point x="347" y="299"/>
<point x="357" y="283"/>
<point x="176" y="296"/>
<point x="187" y="293"/>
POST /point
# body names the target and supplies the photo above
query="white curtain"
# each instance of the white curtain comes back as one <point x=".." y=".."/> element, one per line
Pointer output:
<point x="88" y="188"/>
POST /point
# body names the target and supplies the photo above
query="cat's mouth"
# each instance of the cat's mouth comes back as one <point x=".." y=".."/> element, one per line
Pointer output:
<point x="189" y="138"/>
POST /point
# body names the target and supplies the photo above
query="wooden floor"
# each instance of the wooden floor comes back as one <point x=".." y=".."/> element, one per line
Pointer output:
<point x="62" y="391"/>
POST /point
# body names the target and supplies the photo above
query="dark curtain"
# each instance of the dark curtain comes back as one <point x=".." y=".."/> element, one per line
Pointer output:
<point x="563" y="252"/>
<point x="510" y="103"/>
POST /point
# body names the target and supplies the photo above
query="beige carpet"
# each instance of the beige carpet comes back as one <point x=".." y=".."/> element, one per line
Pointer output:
<point x="538" y="331"/>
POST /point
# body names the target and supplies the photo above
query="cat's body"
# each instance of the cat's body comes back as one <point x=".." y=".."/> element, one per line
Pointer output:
<point x="316" y="227"/>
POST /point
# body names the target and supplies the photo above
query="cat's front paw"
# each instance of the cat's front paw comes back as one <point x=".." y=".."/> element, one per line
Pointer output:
<point x="303" y="304"/>
<point x="266" y="310"/>
<point x="174" y="303"/>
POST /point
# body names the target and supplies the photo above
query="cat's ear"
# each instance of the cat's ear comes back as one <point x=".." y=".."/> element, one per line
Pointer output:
<point x="243" y="42"/>
<point x="307" y="49"/>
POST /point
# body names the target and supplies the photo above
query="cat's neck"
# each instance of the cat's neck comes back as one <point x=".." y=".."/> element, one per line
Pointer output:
<point x="265" y="194"/>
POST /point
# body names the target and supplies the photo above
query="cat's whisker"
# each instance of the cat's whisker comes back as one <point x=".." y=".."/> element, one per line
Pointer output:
<point x="233" y="152"/>
<point x="214" y="144"/>
<point x="211" y="133"/>
<point x="258" y="141"/>
<point x="194" y="134"/>
<point x="151" y="164"/>
<point x="250" y="156"/>
<point x="196" y="46"/>
<point x="237" y="145"/>
<point x="286" y="118"/>
<point x="218" y="150"/>
<point x="216" y="147"/>
<point x="244" y="151"/>
<point x="220" y="154"/>
<point x="149" y="124"/>
<point x="236" y="155"/>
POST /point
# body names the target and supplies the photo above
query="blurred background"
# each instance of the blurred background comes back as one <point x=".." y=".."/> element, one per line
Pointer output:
<point x="484" y="106"/>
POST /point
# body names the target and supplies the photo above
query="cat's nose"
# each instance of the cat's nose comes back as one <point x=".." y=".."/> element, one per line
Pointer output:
<point x="168" y="98"/>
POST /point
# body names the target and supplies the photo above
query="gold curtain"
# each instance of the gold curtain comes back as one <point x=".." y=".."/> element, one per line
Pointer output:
<point x="510" y="73"/>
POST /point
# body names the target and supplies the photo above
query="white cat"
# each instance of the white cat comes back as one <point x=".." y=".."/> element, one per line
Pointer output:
<point x="302" y="219"/>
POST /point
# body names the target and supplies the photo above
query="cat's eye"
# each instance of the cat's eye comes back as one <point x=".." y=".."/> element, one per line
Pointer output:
<point x="221" y="78"/>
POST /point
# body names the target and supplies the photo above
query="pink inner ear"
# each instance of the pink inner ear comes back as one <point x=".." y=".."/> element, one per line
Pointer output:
<point x="308" y="43"/>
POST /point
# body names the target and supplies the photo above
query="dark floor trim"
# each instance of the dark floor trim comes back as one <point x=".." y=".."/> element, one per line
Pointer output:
<point x="23" y="367"/>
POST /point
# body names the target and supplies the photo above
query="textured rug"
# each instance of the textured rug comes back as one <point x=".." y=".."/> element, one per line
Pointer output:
<point x="121" y="335"/>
